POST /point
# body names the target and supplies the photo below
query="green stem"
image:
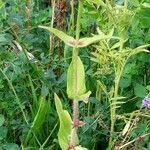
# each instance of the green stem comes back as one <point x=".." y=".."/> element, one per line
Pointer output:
<point x="113" y="107"/>
<point x="78" y="27"/>
<point x="52" y="23"/>
<point x="74" y="59"/>
<point x="72" y="16"/>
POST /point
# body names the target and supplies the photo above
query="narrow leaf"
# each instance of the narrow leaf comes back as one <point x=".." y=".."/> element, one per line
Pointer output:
<point x="65" y="125"/>
<point x="126" y="128"/>
<point x="90" y="40"/>
<point x="38" y="120"/>
<point x="63" y="36"/>
<point x="41" y="113"/>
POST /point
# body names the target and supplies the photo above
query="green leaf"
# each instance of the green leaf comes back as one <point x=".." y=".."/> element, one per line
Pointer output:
<point x="44" y="90"/>
<point x="140" y="90"/>
<point x="68" y="40"/>
<point x="85" y="96"/>
<point x="139" y="49"/>
<point x="3" y="132"/>
<point x="41" y="113"/>
<point x="148" y="87"/>
<point x="90" y="40"/>
<point x="2" y="119"/>
<point x="76" y="81"/>
<point x="144" y="17"/>
<point x="125" y="81"/>
<point x="65" y="124"/>
<point x="11" y="146"/>
<point x="1" y="4"/>
<point x="38" y="119"/>
<point x="2" y="38"/>
<point x="80" y="148"/>
<point x="63" y="36"/>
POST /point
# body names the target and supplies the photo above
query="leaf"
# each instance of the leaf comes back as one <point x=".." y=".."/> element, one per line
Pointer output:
<point x="142" y="47"/>
<point x="144" y="17"/>
<point x="125" y="81"/>
<point x="148" y="87"/>
<point x="116" y="45"/>
<point x="1" y="4"/>
<point x="10" y="146"/>
<point x="126" y="128"/>
<point x="117" y="98"/>
<point x="103" y="87"/>
<point x="38" y="119"/>
<point x="139" y="50"/>
<point x="85" y="97"/>
<point x="69" y="40"/>
<point x="2" y="38"/>
<point x="65" y="124"/>
<point x="44" y="90"/>
<point x="76" y="87"/>
<point x="63" y="36"/>
<point x="41" y="113"/>
<point x="146" y="5"/>
<point x="90" y="40"/>
<point x="80" y="148"/>
<point x="2" y="119"/>
<point x="3" y="132"/>
<point x="140" y="90"/>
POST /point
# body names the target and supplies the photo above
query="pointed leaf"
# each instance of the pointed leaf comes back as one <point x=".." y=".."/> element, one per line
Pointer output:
<point x="90" y="40"/>
<point x="103" y="87"/>
<point x="126" y="128"/>
<point x="63" y="36"/>
<point x="76" y="87"/>
<point x="85" y="97"/>
<point x="38" y="119"/>
<point x="41" y="113"/>
<point x="65" y="124"/>
<point x="139" y="49"/>
<point x="117" y="98"/>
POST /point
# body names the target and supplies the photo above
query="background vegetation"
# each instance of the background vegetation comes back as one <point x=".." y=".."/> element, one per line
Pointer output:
<point x="34" y="64"/>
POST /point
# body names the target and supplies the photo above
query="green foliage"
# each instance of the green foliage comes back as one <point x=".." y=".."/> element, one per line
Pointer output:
<point x="2" y="119"/>
<point x="114" y="48"/>
<point x="65" y="128"/>
<point x="76" y="83"/>
<point x="39" y="118"/>
<point x="140" y="91"/>
<point x="70" y="41"/>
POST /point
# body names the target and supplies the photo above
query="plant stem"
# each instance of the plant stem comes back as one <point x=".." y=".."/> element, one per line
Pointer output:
<point x="136" y="139"/>
<point x="113" y="107"/>
<point x="74" y="59"/>
<point x="113" y="112"/>
<point x="78" y="26"/>
<point x="52" y="23"/>
<point x="72" y="15"/>
<point x="28" y="15"/>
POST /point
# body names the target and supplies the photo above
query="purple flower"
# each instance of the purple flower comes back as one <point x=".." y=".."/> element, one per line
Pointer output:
<point x="146" y="102"/>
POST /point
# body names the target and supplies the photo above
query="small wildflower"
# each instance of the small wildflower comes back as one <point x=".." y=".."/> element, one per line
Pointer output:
<point x="146" y="102"/>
